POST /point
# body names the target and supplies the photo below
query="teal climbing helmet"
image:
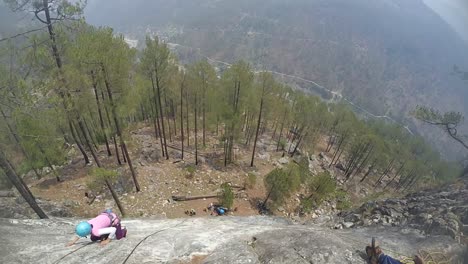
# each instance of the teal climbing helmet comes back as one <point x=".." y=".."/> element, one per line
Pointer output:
<point x="83" y="229"/>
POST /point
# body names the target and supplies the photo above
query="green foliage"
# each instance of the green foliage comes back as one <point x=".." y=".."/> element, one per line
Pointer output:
<point x="99" y="176"/>
<point x="191" y="169"/>
<point x="307" y="205"/>
<point x="226" y="196"/>
<point x="433" y="116"/>
<point x="251" y="180"/>
<point x="41" y="140"/>
<point x="321" y="187"/>
<point x="342" y="200"/>
<point x="280" y="184"/>
<point x="102" y="174"/>
<point x="448" y="122"/>
<point x="34" y="106"/>
<point x="303" y="169"/>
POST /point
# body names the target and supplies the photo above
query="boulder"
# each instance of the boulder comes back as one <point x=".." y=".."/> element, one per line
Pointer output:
<point x="440" y="211"/>
<point x="264" y="156"/>
<point x="150" y="154"/>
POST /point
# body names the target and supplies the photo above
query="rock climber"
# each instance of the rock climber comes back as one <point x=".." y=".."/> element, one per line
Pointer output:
<point x="375" y="255"/>
<point x="104" y="227"/>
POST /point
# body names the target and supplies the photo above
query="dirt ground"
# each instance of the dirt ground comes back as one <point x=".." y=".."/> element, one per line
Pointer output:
<point x="160" y="179"/>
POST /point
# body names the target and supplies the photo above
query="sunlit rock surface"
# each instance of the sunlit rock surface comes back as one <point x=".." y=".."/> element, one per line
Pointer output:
<point x="207" y="240"/>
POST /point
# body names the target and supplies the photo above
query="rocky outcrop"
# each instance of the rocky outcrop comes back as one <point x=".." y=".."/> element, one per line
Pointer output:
<point x="436" y="212"/>
<point x="16" y="207"/>
<point x="208" y="240"/>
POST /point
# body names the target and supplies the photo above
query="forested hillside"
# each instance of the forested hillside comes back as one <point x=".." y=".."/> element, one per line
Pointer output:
<point x="81" y="87"/>
<point x="384" y="56"/>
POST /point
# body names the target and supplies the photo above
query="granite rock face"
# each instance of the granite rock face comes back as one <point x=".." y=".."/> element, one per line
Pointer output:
<point x="208" y="240"/>
<point x="17" y="208"/>
<point x="442" y="211"/>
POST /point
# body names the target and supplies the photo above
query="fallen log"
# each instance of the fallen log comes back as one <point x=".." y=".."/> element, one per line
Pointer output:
<point x="177" y="198"/>
<point x="241" y="188"/>
<point x="187" y="151"/>
<point x="190" y="198"/>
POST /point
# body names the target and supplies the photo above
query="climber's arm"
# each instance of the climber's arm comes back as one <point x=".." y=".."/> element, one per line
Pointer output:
<point x="110" y="231"/>
<point x="71" y="243"/>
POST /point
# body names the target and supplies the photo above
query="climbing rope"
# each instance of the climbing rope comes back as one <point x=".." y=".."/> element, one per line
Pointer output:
<point x="141" y="241"/>
<point x="431" y="257"/>
<point x="71" y="252"/>
<point x="133" y="250"/>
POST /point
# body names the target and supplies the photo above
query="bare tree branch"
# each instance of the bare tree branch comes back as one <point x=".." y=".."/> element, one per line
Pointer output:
<point x="454" y="136"/>
<point x="23" y="33"/>
<point x="36" y="13"/>
<point x="21" y="6"/>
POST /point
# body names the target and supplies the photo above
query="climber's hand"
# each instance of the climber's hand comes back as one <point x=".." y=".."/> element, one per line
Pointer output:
<point x="71" y="243"/>
<point x="105" y="242"/>
<point x="417" y="260"/>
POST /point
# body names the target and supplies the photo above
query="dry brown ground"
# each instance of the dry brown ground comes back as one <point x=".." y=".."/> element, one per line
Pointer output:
<point x="161" y="179"/>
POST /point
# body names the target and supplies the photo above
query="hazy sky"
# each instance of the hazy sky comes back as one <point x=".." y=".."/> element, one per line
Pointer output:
<point x="454" y="12"/>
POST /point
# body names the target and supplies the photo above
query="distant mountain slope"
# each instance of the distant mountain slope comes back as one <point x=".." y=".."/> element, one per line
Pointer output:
<point x="387" y="55"/>
<point x="454" y="12"/>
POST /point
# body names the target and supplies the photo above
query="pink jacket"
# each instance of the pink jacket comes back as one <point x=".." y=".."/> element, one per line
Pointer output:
<point x="102" y="221"/>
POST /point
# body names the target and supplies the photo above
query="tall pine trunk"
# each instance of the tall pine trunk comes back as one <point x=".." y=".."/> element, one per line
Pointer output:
<point x="115" y="197"/>
<point x="256" y="133"/>
<point x="371" y="168"/>
<point x="88" y="143"/>
<point x="187" y="118"/>
<point x="364" y="162"/>
<point x="182" y="116"/>
<point x="161" y="115"/>
<point x="340" y="144"/>
<point x="58" y="62"/>
<point x="117" y="155"/>
<point x="17" y="140"/>
<point x="204" y="110"/>
<point x="25" y="186"/>
<point x="259" y="120"/>
<point x="168" y="117"/>
<point x="395" y="176"/>
<point x="157" y="125"/>
<point x="22" y="189"/>
<point x="386" y="171"/>
<point x="119" y="132"/>
<point x="91" y="135"/>
<point x="196" y="130"/>
<point x="101" y="120"/>
<point x="75" y="138"/>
